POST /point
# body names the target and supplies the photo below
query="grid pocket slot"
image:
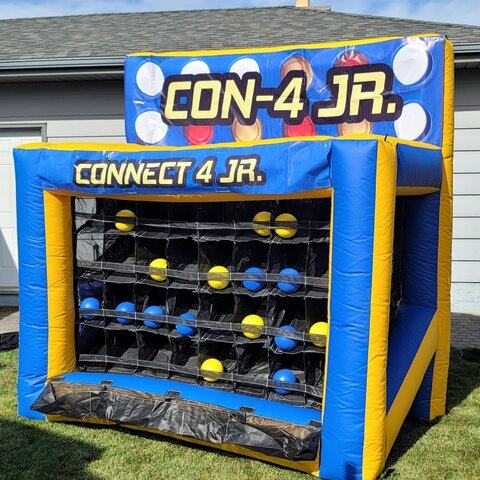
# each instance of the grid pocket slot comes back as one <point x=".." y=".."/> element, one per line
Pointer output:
<point x="288" y="270"/>
<point x="89" y="284"/>
<point x="317" y="270"/>
<point x="154" y="354"/>
<point x="152" y="253"/>
<point x="215" y="378"/>
<point x="122" y="349"/>
<point x="91" y="348"/>
<point x="251" y="258"/>
<point x="246" y="228"/>
<point x="183" y="220"/>
<point x="252" y="365"/>
<point x="314" y="373"/>
<point x="216" y="317"/>
<point x="215" y="266"/>
<point x="250" y="314"/>
<point x="152" y="303"/>
<point x="289" y="317"/>
<point x="291" y="221"/>
<point x="90" y="341"/>
<point x="215" y="222"/>
<point x="153" y="220"/>
<point x="182" y="257"/>
<point x="294" y="364"/>
<point x="184" y="309"/>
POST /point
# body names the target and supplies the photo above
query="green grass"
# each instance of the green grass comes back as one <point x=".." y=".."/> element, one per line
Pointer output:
<point x="448" y="449"/>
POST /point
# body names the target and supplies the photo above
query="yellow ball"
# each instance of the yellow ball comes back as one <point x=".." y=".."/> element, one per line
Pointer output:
<point x="124" y="226"/>
<point x="221" y="279"/>
<point x="158" y="263"/>
<point x="253" y="320"/>
<point x="262" y="217"/>
<point x="212" y="365"/>
<point x="286" y="232"/>
<point x="319" y="328"/>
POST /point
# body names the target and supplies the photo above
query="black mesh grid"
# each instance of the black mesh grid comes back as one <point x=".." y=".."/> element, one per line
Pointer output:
<point x="113" y="266"/>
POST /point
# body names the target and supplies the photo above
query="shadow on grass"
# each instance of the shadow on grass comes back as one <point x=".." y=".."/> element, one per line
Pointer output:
<point x="463" y="378"/>
<point x="28" y="452"/>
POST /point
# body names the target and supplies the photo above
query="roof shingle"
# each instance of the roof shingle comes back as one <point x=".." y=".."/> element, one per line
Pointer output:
<point x="113" y="35"/>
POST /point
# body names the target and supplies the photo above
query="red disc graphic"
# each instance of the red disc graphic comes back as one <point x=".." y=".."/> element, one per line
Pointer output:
<point x="198" y="134"/>
<point x="305" y="129"/>
<point x="351" y="58"/>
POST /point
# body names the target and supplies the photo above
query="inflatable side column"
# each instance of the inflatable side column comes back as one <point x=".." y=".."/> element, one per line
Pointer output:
<point x="430" y="400"/>
<point x="354" y="411"/>
<point x="32" y="369"/>
<point x="47" y="311"/>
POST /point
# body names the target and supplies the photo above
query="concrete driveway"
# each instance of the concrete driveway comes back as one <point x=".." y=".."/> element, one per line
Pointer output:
<point x="8" y="319"/>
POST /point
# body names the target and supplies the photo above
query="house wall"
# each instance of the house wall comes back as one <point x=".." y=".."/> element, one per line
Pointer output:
<point x="93" y="111"/>
<point x="71" y="111"/>
<point x="466" y="190"/>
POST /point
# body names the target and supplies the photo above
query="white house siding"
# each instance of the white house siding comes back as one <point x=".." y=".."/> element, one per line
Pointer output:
<point x="83" y="111"/>
<point x="466" y="190"/>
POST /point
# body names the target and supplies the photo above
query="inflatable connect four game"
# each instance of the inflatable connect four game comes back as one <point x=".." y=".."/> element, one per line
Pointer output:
<point x="265" y="268"/>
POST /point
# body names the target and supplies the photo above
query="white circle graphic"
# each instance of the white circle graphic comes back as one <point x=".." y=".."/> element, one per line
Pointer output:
<point x="411" y="63"/>
<point x="150" y="127"/>
<point x="412" y="123"/>
<point x="244" y="65"/>
<point x="150" y="78"/>
<point x="195" y="67"/>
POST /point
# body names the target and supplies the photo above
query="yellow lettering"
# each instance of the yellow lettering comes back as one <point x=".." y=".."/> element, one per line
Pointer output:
<point x="148" y="173"/>
<point x="229" y="176"/>
<point x="182" y="166"/>
<point x="215" y="87"/>
<point x="246" y="170"/>
<point x="232" y="93"/>
<point x="115" y="172"/>
<point x="79" y="169"/>
<point x="163" y="178"/>
<point x="133" y="173"/>
<point x="339" y="108"/>
<point x="358" y="95"/>
<point x="170" y="111"/>
<point x="98" y="174"/>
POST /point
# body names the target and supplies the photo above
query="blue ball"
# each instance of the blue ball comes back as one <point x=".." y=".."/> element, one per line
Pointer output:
<point x="289" y="287"/>
<point x="92" y="304"/>
<point x="284" y="343"/>
<point x="183" y="329"/>
<point x="284" y="375"/>
<point x="128" y="307"/>
<point x="252" y="284"/>
<point x="155" y="310"/>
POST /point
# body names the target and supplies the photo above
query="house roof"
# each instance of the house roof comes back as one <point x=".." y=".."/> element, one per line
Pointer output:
<point x="102" y="40"/>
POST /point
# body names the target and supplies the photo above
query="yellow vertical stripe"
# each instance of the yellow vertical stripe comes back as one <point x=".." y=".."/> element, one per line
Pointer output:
<point x="328" y="306"/>
<point x="411" y="383"/>
<point x="374" y="445"/>
<point x="442" y="357"/>
<point x="61" y="308"/>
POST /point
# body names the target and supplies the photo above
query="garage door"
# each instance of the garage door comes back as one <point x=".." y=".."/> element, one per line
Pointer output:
<point x="8" y="225"/>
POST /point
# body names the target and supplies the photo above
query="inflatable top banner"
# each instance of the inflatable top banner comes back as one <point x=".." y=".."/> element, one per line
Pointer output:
<point x="390" y="86"/>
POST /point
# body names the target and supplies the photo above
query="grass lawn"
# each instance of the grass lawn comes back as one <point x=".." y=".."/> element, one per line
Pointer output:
<point x="449" y="449"/>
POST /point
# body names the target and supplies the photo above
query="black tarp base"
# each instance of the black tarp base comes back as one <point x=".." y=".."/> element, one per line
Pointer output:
<point x="173" y="415"/>
<point x="8" y="341"/>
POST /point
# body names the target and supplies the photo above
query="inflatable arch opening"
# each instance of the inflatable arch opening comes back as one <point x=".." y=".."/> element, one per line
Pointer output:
<point x="364" y="252"/>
